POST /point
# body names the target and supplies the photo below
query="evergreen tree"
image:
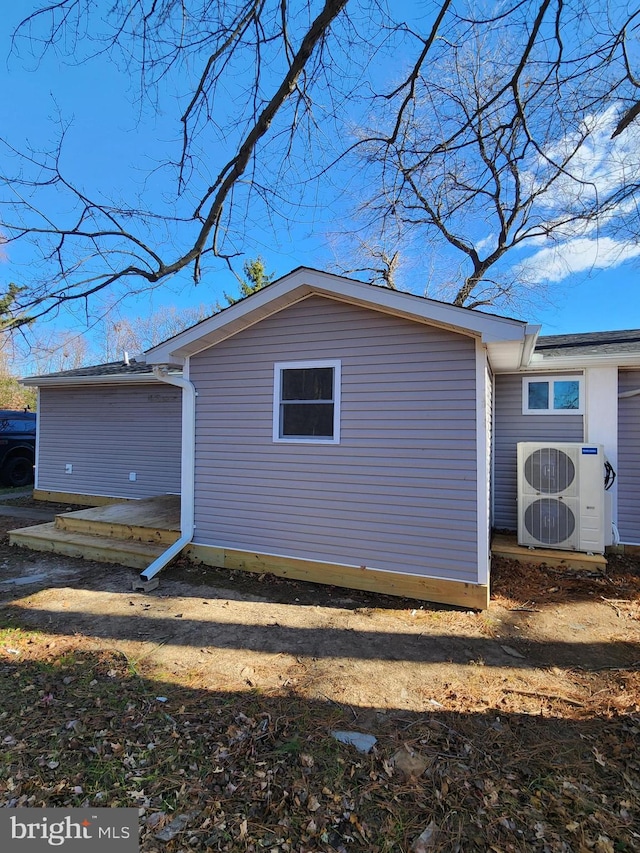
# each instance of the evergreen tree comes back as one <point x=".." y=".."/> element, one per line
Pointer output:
<point x="255" y="279"/>
<point x="8" y="318"/>
<point x="12" y="394"/>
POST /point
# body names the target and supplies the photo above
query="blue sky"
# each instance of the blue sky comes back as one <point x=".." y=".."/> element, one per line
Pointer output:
<point x="106" y="138"/>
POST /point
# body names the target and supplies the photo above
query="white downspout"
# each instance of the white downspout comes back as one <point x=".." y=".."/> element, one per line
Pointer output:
<point x="187" y="473"/>
<point x="36" y="470"/>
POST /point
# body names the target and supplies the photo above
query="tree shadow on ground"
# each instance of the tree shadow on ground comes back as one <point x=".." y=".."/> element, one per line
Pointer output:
<point x="314" y="641"/>
<point x="214" y="770"/>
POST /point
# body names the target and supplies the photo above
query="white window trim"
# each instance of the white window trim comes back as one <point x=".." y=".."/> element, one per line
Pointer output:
<point x="278" y="367"/>
<point x="526" y="380"/>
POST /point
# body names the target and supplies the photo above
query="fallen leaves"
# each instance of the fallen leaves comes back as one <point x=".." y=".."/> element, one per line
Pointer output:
<point x="248" y="773"/>
<point x="409" y="763"/>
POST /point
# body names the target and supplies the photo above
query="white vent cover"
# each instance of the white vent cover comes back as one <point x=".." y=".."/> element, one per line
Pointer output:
<point x="561" y="496"/>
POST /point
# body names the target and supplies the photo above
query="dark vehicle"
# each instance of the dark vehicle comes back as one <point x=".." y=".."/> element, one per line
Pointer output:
<point x="17" y="447"/>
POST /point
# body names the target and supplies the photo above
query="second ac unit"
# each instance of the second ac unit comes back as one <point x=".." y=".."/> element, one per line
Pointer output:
<point x="561" y="496"/>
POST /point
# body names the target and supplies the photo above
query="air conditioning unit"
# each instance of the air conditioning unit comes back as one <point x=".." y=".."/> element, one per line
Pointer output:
<point x="561" y="501"/>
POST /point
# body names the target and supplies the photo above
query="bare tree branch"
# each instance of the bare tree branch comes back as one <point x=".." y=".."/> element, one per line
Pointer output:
<point x="473" y="121"/>
<point x="496" y="150"/>
<point x="109" y="220"/>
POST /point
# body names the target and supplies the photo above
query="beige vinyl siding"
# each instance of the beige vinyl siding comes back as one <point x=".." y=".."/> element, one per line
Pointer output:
<point x="629" y="458"/>
<point x="511" y="426"/>
<point x="107" y="432"/>
<point x="397" y="493"/>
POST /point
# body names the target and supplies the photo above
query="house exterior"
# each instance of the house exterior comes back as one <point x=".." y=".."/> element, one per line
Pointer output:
<point x="602" y="372"/>
<point x="343" y="433"/>
<point x="112" y="431"/>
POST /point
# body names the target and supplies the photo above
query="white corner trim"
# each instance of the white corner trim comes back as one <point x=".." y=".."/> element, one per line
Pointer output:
<point x="482" y="465"/>
<point x="601" y="427"/>
<point x="37" y="453"/>
<point x="601" y="409"/>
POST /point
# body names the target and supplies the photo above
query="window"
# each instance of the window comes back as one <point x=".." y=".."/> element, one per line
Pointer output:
<point x="18" y="425"/>
<point x="561" y="395"/>
<point x="306" y="401"/>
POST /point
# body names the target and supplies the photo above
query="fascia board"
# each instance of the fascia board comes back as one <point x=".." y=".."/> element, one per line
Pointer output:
<point x="530" y="338"/>
<point x="509" y="356"/>
<point x="577" y="362"/>
<point x="488" y="327"/>
<point x="61" y="381"/>
<point x="227" y="323"/>
<point x="303" y="283"/>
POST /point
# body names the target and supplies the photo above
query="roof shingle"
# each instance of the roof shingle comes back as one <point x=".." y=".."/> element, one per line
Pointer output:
<point x="589" y="343"/>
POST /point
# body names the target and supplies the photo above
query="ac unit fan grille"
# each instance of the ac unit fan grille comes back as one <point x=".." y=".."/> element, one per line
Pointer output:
<point x="549" y="470"/>
<point x="549" y="521"/>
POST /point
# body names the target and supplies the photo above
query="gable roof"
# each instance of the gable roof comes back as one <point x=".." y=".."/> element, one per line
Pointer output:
<point x="513" y="345"/>
<point x="508" y="341"/>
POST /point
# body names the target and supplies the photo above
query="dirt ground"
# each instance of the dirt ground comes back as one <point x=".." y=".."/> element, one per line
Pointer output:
<point x="549" y="638"/>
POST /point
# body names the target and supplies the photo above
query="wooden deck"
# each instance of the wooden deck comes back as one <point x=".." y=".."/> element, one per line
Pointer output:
<point x="135" y="533"/>
<point x="150" y="520"/>
<point x="507" y="546"/>
<point x="132" y="533"/>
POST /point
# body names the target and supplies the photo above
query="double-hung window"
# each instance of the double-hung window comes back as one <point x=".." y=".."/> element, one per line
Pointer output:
<point x="557" y="395"/>
<point x="306" y="401"/>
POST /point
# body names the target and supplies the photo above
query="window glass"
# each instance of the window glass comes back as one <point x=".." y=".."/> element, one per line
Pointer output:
<point x="538" y="395"/>
<point x="7" y="425"/>
<point x="566" y="394"/>
<point x="556" y="395"/>
<point x="315" y="419"/>
<point x="307" y="383"/>
<point x="307" y="402"/>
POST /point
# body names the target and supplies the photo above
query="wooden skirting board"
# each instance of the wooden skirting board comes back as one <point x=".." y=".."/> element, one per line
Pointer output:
<point x="472" y="596"/>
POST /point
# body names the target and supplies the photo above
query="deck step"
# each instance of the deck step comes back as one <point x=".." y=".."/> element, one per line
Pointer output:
<point x="154" y="520"/>
<point x="76" y="522"/>
<point x="48" y="537"/>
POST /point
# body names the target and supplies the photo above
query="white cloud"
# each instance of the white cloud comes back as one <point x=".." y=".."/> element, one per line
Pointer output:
<point x="581" y="255"/>
<point x="486" y="244"/>
<point x="598" y="167"/>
